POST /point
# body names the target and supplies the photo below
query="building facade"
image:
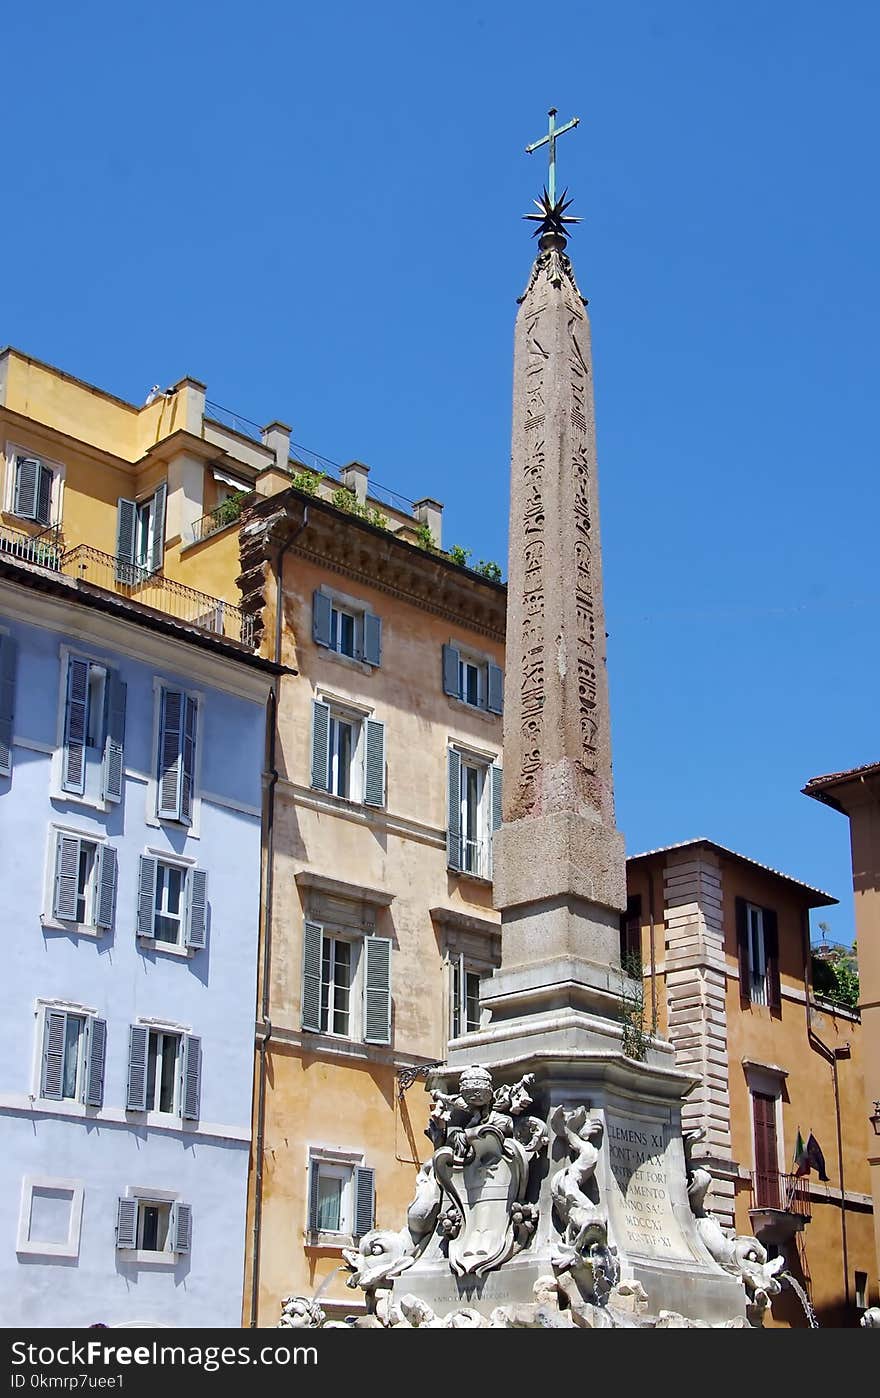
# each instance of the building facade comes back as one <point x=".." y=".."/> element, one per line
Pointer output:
<point x="856" y="794"/>
<point x="130" y="857"/>
<point x="724" y="947"/>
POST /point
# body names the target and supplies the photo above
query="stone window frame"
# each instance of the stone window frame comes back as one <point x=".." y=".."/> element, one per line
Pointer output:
<point x="164" y="1257"/>
<point x="477" y="941"/>
<point x="50" y="1252"/>
<point x="48" y="920"/>
<point x="346" y="602"/>
<point x="336" y="1157"/>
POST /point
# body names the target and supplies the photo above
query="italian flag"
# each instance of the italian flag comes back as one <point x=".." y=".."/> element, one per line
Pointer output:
<point x="801" y="1159"/>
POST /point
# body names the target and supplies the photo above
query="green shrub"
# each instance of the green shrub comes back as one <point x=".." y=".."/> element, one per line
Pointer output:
<point x="459" y="555"/>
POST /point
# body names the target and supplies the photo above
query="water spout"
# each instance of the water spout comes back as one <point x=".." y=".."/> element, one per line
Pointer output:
<point x="326" y="1282"/>
<point x="802" y="1297"/>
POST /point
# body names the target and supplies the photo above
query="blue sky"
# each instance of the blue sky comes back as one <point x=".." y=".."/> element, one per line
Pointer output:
<point x="317" y="212"/>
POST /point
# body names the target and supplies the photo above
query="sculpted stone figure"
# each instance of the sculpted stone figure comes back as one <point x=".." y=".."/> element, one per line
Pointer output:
<point x="383" y="1254"/>
<point x="584" y="1244"/>
<point x="301" y="1313"/>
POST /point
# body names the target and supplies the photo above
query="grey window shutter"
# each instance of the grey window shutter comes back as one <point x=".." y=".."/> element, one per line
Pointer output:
<point x="496" y="771"/>
<point x="136" y="1096"/>
<point x="157" y="556"/>
<point x="126" y="1223"/>
<point x="126" y="531"/>
<point x="196" y="908"/>
<point x="320" y="745"/>
<point x="97" y="1054"/>
<point x="453" y="804"/>
<point x="7" y="702"/>
<point x="451" y="674"/>
<point x="377" y="991"/>
<point x="66" y="877"/>
<point x="146" y="905"/>
<point x="372" y="639"/>
<point x="313" y="936"/>
<point x="364" y="1200"/>
<point x="73" y="776"/>
<point x="52" y="1076"/>
<point x="374" y="763"/>
<point x="43" y="513"/>
<point x="313" y="1196"/>
<point x="181" y="1227"/>
<point x="114" y="737"/>
<point x="191" y="1080"/>
<point x="190" y="719"/>
<point x="321" y="609"/>
<point x="27" y="474"/>
<point x="170" y="735"/>
<point x="495" y="689"/>
<point x="105" y="910"/>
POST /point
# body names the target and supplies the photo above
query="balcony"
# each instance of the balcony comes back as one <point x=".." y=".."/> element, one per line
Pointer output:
<point x="44" y="548"/>
<point x="226" y="513"/>
<point x="780" y="1206"/>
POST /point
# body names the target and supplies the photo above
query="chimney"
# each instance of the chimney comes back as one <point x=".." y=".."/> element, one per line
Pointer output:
<point x="430" y="512"/>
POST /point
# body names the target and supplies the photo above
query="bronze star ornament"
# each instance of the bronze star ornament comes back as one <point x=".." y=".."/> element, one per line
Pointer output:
<point x="551" y="217"/>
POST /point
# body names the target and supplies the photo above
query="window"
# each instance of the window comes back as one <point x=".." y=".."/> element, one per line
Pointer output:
<point x="140" y="536"/>
<point x="474" y="812"/>
<point x="473" y="679"/>
<point x="35" y="493"/>
<point x="347" y="628"/>
<point x="92" y="758"/>
<point x="861" y="1289"/>
<point x="8" y="654"/>
<point x="84" y="882"/>
<point x="631" y="935"/>
<point x="758" y="950"/>
<point x="74" y="1051"/>
<point x="178" y="730"/>
<point x="172" y="903"/>
<point x="341" y="1197"/>
<point x="154" y="1229"/>
<point x="348" y="753"/>
<point x="346" y="985"/>
<point x="766" y="1178"/>
<point x="465" y="998"/>
<point x="164" y="1071"/>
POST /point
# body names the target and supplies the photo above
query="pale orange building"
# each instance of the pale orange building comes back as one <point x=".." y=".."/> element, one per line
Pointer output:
<point x="856" y="793"/>
<point x="724" y="944"/>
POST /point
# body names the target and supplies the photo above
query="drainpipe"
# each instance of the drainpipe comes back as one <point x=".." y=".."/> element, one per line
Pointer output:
<point x="832" y="1057"/>
<point x="269" y="885"/>
<point x="652" y="912"/>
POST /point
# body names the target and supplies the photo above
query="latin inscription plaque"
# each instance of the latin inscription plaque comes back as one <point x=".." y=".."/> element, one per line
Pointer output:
<point x="642" y="1211"/>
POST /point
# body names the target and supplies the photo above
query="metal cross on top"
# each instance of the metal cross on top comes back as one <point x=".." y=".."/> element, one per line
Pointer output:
<point x="553" y="132"/>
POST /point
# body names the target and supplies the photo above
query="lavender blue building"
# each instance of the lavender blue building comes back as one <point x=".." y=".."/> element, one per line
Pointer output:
<point x="131" y="757"/>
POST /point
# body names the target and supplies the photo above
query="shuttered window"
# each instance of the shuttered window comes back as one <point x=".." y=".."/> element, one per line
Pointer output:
<point x="346" y="630"/>
<point x="84" y="885"/>
<point x="154" y="1226"/>
<point x="341" y="1198"/>
<point x="172" y="903"/>
<point x="34" y="482"/>
<point x="8" y="654"/>
<point x="364" y="1200"/>
<point x="178" y="731"/>
<point x="94" y="730"/>
<point x="344" y="981"/>
<point x="377" y="991"/>
<point x="374" y="763"/>
<point x="473" y="812"/>
<point x="74" y="1052"/>
<point x="465" y="998"/>
<point x="348" y="755"/>
<point x="766" y="1151"/>
<point x="474" y="681"/>
<point x="140" y="537"/>
<point x="757" y="937"/>
<point x="164" y="1072"/>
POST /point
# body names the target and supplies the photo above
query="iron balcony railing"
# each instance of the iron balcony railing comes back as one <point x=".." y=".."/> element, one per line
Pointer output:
<point x="45" y="548"/>
<point x="772" y="1190"/>
<point x="228" y="512"/>
<point x="155" y="590"/>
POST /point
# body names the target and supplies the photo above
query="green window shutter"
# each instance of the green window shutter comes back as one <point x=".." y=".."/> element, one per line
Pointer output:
<point x="191" y="1081"/>
<point x="320" y="745"/>
<point x="114" y="737"/>
<point x="170" y="744"/>
<point x="377" y="991"/>
<point x="451" y="673"/>
<point x="313" y="936"/>
<point x="27" y="475"/>
<point x="97" y="1054"/>
<point x="364" y="1200"/>
<point x="157" y="555"/>
<point x="44" y="496"/>
<point x="374" y="763"/>
<point x="146" y="904"/>
<point x="321" y="609"/>
<point x="495" y="689"/>
<point x="771" y="952"/>
<point x="7" y="701"/>
<point x="496" y="774"/>
<point x="372" y="639"/>
<point x="181" y="1227"/>
<point x="105" y="906"/>
<point x="136" y="1095"/>
<point x="73" y="775"/>
<point x="453" y="810"/>
<point x="52" y="1076"/>
<point x="190" y="719"/>
<point x="126" y="534"/>
<point x="313" y="1196"/>
<point x="66" y="877"/>
<point x="196" y="908"/>
<point x="126" y="1223"/>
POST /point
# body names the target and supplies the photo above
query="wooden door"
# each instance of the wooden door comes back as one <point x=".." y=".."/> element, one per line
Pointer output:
<point x="766" y="1154"/>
